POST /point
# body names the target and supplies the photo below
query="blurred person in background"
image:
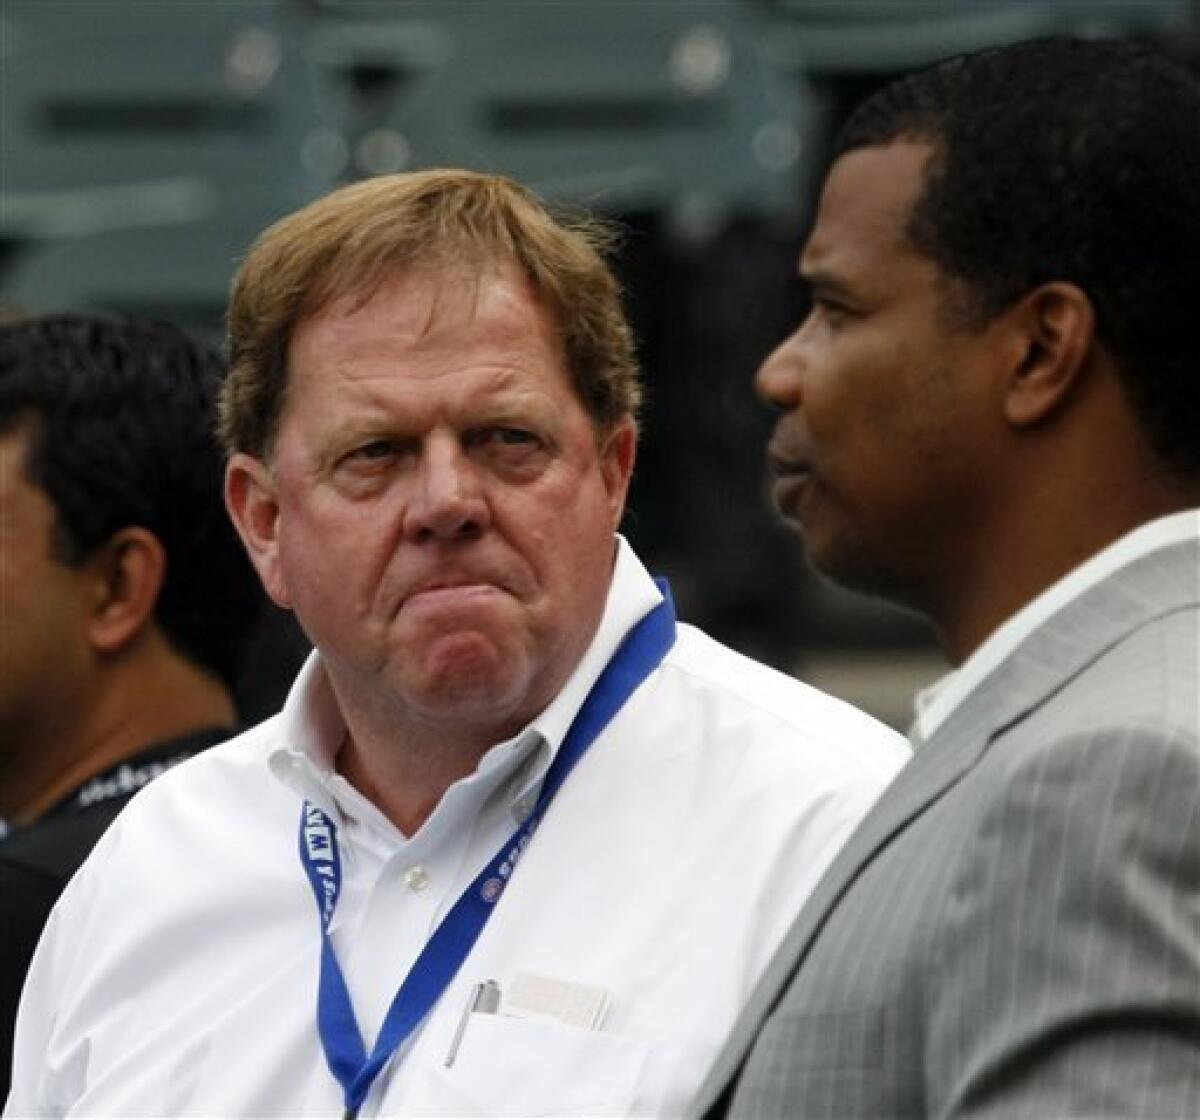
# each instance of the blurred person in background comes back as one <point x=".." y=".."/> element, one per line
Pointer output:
<point x="992" y="415"/>
<point x="126" y="600"/>
<point x="518" y="842"/>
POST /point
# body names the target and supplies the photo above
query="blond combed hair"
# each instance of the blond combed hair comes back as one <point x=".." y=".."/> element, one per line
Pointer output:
<point x="352" y="240"/>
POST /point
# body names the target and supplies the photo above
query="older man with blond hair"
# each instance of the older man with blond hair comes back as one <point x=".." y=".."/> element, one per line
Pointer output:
<point x="519" y="843"/>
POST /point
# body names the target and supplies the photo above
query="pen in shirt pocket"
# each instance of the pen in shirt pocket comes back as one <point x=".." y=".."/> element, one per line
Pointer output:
<point x="484" y="998"/>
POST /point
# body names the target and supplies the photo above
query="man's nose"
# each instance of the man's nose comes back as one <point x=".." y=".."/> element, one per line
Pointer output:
<point x="778" y="379"/>
<point x="448" y="500"/>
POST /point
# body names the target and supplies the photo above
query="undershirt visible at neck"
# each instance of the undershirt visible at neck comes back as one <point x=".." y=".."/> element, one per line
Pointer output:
<point x="935" y="703"/>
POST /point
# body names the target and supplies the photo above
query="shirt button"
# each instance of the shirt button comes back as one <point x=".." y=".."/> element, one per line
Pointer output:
<point x="416" y="879"/>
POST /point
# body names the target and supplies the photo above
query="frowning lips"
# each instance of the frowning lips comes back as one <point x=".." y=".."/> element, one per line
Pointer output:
<point x="450" y="587"/>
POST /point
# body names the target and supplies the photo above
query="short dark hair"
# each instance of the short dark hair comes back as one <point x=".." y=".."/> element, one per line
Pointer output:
<point x="1076" y="160"/>
<point x="122" y="417"/>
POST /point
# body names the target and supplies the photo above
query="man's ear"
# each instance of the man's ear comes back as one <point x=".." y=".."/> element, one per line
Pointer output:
<point x="1057" y="325"/>
<point x="617" y="455"/>
<point x="127" y="575"/>
<point x="252" y="503"/>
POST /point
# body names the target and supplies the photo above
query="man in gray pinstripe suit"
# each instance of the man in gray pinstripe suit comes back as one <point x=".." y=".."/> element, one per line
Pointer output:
<point x="992" y="414"/>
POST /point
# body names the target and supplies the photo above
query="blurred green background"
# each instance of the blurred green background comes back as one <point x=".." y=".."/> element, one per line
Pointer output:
<point x="145" y="142"/>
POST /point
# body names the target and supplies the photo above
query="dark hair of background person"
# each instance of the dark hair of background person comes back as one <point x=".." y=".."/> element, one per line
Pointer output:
<point x="1100" y="188"/>
<point x="115" y="442"/>
<point x="347" y="243"/>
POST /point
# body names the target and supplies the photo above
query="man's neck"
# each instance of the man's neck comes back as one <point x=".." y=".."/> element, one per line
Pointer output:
<point x="175" y="700"/>
<point x="407" y="780"/>
<point x="1057" y="494"/>
<point x="1035" y="560"/>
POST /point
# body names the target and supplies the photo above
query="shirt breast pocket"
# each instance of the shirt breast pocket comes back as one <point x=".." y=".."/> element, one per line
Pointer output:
<point x="506" y="1066"/>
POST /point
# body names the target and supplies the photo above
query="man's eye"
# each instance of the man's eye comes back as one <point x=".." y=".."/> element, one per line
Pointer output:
<point x="831" y="314"/>
<point x="375" y="450"/>
<point x="506" y="437"/>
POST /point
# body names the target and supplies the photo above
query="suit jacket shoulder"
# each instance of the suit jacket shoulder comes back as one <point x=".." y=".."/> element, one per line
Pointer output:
<point x="1012" y="924"/>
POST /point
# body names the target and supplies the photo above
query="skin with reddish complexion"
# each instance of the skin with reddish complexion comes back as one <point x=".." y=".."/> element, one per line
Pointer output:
<point x="439" y="512"/>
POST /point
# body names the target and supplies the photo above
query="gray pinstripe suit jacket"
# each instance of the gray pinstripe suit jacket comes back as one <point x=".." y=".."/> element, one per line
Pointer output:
<point x="1014" y="930"/>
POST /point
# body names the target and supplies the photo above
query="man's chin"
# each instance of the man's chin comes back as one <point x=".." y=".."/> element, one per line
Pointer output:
<point x="465" y="674"/>
<point x="852" y="568"/>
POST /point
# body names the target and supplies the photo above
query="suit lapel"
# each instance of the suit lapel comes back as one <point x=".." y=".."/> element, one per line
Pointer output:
<point x="935" y="769"/>
<point x="1154" y="585"/>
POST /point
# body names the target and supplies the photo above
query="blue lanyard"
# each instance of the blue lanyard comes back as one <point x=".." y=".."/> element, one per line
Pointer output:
<point x="639" y="654"/>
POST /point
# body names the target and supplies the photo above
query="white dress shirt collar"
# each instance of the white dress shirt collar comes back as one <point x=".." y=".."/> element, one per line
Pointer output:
<point x="313" y="728"/>
<point x="935" y="703"/>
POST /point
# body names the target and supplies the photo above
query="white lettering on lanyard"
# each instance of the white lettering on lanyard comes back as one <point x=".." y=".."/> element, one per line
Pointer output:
<point x="318" y="841"/>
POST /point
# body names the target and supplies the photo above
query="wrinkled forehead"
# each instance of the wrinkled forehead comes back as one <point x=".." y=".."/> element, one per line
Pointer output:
<point x="451" y="265"/>
<point x="433" y="301"/>
<point x="449" y="287"/>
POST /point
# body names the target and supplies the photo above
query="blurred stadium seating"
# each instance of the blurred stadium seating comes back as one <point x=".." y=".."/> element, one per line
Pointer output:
<point x="145" y="144"/>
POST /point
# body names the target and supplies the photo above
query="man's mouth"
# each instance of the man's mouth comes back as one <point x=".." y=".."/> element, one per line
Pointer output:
<point x="788" y="461"/>
<point x="451" y="591"/>
<point x="791" y="474"/>
<point x="790" y="485"/>
<point x="784" y="469"/>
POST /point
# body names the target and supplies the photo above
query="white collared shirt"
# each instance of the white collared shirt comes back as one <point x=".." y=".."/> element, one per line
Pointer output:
<point x="178" y="972"/>
<point x="935" y="703"/>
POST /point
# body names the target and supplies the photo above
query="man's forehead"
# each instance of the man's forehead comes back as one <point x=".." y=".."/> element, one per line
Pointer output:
<point x="866" y="204"/>
<point x="486" y="336"/>
<point x="424" y="298"/>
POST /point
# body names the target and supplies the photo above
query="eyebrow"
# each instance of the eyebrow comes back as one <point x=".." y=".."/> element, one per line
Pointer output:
<point x="823" y="281"/>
